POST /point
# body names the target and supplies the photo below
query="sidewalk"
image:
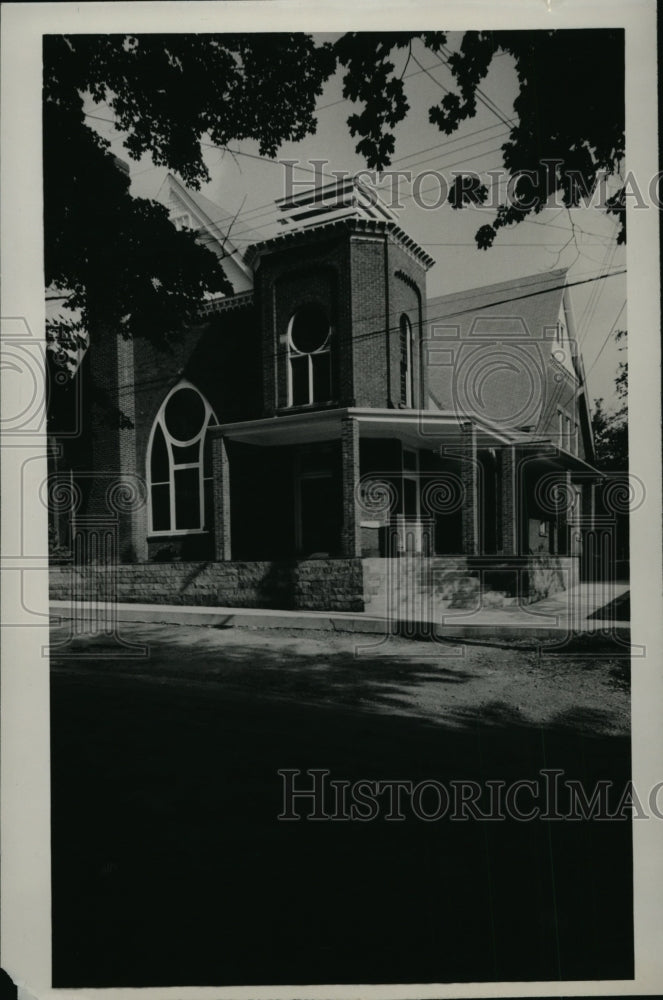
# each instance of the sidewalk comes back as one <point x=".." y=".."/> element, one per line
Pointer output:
<point x="583" y="609"/>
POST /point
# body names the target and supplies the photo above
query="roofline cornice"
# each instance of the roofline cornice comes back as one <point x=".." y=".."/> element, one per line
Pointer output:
<point x="225" y="303"/>
<point x="368" y="227"/>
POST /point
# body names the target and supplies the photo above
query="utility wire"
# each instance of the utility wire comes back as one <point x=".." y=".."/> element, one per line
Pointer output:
<point x="607" y="337"/>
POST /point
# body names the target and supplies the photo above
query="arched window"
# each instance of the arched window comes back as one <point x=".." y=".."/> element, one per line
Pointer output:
<point x="179" y="463"/>
<point x="309" y="357"/>
<point x="407" y="371"/>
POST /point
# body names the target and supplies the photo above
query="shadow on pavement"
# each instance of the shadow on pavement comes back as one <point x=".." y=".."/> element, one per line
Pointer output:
<point x="617" y="610"/>
<point x="170" y="866"/>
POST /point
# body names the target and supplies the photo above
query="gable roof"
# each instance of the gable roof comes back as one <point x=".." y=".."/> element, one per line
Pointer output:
<point x="220" y="226"/>
<point x="527" y="307"/>
<point x="535" y="298"/>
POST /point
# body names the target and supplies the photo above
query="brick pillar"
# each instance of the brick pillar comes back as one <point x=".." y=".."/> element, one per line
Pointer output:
<point x="469" y="472"/>
<point x="510" y="513"/>
<point x="351" y="527"/>
<point x="221" y="493"/>
<point x="588" y="505"/>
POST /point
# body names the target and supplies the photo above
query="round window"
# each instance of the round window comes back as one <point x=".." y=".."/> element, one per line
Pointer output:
<point x="185" y="415"/>
<point x="309" y="331"/>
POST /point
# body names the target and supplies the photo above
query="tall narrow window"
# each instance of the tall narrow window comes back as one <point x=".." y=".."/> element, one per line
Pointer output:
<point x="178" y="463"/>
<point x="407" y="373"/>
<point x="309" y="357"/>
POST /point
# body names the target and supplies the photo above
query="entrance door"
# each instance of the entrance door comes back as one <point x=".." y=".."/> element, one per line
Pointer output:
<point x="319" y="515"/>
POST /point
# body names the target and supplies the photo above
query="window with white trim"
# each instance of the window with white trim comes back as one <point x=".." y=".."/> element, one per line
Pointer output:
<point x="309" y="357"/>
<point x="179" y="463"/>
<point x="182" y="221"/>
<point x="407" y="385"/>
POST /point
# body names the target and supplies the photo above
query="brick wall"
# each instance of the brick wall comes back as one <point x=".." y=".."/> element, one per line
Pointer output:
<point x="316" y="584"/>
<point x="407" y="295"/>
<point x="366" y="281"/>
<point x="471" y="480"/>
<point x="221" y="356"/>
<point x="386" y="283"/>
<point x="351" y="515"/>
<point x="287" y="279"/>
<point x="371" y="339"/>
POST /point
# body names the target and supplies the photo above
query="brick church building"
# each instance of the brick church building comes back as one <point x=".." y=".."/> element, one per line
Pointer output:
<point x="329" y="422"/>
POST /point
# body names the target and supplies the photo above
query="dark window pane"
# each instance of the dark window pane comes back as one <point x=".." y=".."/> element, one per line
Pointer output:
<point x="159" y="458"/>
<point x="410" y="461"/>
<point x="321" y="377"/>
<point x="161" y="508"/>
<point x="409" y="497"/>
<point x="185" y="415"/>
<point x="299" y="369"/>
<point x="187" y="498"/>
<point x="310" y="329"/>
<point x="184" y="456"/>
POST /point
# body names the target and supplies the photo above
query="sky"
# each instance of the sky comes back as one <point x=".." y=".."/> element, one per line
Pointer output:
<point x="582" y="240"/>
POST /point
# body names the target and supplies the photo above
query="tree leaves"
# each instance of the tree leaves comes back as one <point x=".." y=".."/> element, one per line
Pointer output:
<point x="610" y="427"/>
<point x="119" y="256"/>
<point x="567" y="127"/>
<point x="369" y="80"/>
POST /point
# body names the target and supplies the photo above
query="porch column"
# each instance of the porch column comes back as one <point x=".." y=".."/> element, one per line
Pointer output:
<point x="565" y="540"/>
<point x="510" y="513"/>
<point x="351" y="526"/>
<point x="576" y="517"/>
<point x="221" y="493"/>
<point x="469" y="471"/>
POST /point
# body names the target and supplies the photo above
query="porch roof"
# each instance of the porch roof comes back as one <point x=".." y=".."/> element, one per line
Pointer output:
<point x="560" y="458"/>
<point x="418" y="428"/>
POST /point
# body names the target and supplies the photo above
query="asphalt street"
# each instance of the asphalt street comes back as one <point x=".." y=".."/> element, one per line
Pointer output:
<point x="171" y="867"/>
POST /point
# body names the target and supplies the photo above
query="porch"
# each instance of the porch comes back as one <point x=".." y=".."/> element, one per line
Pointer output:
<point x="367" y="483"/>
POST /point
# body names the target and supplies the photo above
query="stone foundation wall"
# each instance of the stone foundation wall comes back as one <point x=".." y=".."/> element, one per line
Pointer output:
<point x="314" y="585"/>
<point x="402" y="588"/>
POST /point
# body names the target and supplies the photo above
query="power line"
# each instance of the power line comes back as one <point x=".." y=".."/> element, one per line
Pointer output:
<point x="470" y="145"/>
<point x="607" y="338"/>
<point x="446" y="142"/>
<point x="346" y="100"/>
<point x="480" y="94"/>
<point x="270" y="210"/>
<point x="488" y="101"/>
<point x="592" y="303"/>
<point x="478" y="292"/>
